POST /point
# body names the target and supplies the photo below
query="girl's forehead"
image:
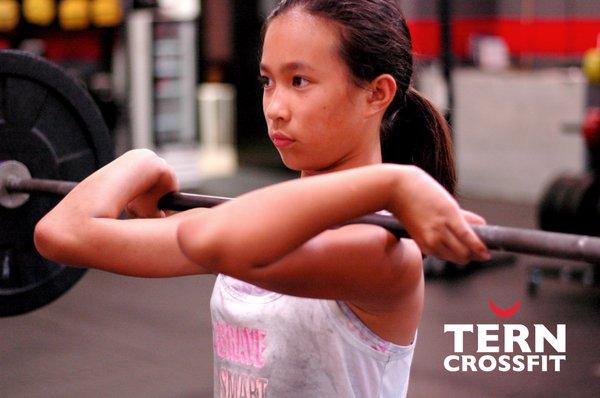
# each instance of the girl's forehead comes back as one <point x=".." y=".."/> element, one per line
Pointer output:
<point x="299" y="36"/>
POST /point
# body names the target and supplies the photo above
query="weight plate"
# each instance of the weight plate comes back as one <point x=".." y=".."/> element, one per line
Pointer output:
<point x="591" y="210"/>
<point x="551" y="205"/>
<point x="565" y="206"/>
<point x="572" y="206"/>
<point x="49" y="123"/>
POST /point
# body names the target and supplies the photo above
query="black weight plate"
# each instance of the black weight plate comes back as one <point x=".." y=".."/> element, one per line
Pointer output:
<point x="590" y="211"/>
<point x="565" y="206"/>
<point x="49" y="123"/>
<point x="551" y="204"/>
<point x="572" y="205"/>
<point x="586" y="220"/>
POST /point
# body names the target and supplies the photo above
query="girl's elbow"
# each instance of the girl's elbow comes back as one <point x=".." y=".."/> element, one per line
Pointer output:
<point x="205" y="243"/>
<point x="42" y="238"/>
<point x="51" y="241"/>
<point x="406" y="270"/>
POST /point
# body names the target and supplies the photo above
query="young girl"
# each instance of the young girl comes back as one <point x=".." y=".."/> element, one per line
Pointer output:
<point x="297" y="309"/>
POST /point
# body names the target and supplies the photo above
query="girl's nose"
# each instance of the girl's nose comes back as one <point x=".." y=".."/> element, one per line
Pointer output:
<point x="276" y="108"/>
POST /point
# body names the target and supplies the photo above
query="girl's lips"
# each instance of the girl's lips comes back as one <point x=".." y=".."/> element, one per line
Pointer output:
<point x="281" y="141"/>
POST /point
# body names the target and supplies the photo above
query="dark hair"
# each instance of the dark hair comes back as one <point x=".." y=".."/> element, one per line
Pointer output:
<point x="375" y="40"/>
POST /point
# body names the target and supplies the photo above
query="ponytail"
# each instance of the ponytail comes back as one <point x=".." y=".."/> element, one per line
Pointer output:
<point x="418" y="134"/>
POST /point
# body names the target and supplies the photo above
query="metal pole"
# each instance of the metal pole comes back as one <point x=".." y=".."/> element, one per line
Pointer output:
<point x="445" y="17"/>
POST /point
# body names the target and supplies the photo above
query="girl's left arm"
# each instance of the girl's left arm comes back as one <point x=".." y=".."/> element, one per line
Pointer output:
<point x="275" y="238"/>
<point x="356" y="263"/>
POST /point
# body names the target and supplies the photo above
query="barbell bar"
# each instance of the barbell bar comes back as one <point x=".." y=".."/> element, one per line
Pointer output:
<point x="517" y="240"/>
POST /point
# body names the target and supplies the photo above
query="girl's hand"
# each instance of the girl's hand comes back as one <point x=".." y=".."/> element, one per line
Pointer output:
<point x="145" y="205"/>
<point x="435" y="221"/>
<point x="83" y="228"/>
<point x="157" y="180"/>
<point x="134" y="182"/>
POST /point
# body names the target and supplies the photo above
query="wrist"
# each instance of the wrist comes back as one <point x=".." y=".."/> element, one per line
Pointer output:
<point x="400" y="178"/>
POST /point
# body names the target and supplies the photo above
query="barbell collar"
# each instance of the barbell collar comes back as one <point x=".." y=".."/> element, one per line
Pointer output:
<point x="11" y="170"/>
<point x="517" y="240"/>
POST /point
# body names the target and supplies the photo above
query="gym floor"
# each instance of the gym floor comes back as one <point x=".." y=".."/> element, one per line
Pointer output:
<point x="117" y="336"/>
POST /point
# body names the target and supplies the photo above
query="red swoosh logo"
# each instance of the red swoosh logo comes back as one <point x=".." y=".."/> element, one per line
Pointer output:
<point x="504" y="313"/>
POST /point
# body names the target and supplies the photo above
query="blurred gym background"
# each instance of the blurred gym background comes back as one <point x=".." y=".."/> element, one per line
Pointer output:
<point x="518" y="79"/>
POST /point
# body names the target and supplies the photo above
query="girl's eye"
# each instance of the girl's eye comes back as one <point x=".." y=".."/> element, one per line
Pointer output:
<point x="264" y="81"/>
<point x="298" y="81"/>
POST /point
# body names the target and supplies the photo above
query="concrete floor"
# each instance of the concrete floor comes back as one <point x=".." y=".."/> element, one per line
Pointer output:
<point x="113" y="336"/>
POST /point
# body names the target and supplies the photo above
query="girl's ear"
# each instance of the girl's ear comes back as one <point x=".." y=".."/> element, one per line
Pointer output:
<point x="382" y="91"/>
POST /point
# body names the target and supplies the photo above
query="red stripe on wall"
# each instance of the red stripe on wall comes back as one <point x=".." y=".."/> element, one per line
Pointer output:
<point x="543" y="37"/>
<point x="83" y="46"/>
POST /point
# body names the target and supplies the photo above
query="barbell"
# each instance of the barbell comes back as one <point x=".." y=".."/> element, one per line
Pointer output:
<point x="517" y="240"/>
<point x="52" y="135"/>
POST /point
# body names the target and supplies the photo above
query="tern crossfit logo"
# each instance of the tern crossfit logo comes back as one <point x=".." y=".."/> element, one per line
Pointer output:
<point x="504" y="313"/>
<point x="507" y="347"/>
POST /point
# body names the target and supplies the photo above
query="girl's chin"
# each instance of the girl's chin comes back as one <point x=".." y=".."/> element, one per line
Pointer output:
<point x="306" y="168"/>
<point x="301" y="163"/>
<point x="293" y="163"/>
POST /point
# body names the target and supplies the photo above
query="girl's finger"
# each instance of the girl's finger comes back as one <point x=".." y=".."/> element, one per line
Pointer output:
<point x="459" y="252"/>
<point x="473" y="218"/>
<point x="144" y="207"/>
<point x="130" y="211"/>
<point x="464" y="233"/>
<point x="443" y="251"/>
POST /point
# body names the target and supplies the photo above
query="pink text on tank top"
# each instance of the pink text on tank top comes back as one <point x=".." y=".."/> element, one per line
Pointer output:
<point x="240" y="344"/>
<point x="239" y="385"/>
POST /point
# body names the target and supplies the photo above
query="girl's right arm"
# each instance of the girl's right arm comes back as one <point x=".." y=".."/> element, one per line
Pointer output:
<point x="83" y="229"/>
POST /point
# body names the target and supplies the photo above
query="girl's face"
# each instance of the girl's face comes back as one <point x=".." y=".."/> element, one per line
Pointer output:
<point x="317" y="117"/>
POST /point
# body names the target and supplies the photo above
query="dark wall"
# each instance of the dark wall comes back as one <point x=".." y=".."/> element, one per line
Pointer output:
<point x="246" y="45"/>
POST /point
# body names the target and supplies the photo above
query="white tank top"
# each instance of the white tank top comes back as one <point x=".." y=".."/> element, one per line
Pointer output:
<point x="268" y="344"/>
